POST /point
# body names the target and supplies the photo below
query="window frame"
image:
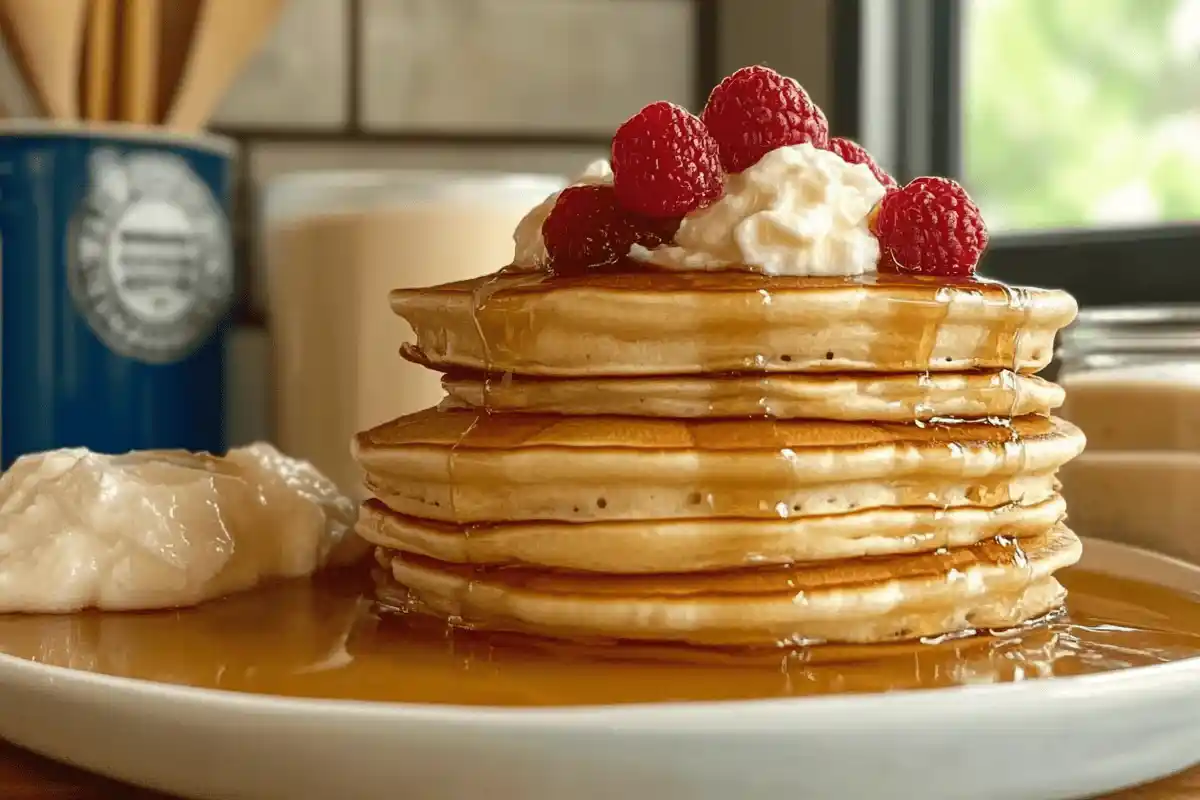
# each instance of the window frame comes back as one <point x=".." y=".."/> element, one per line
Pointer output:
<point x="910" y="52"/>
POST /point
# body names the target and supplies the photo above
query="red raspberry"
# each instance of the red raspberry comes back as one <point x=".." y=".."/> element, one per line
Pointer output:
<point x="664" y="162"/>
<point x="854" y="153"/>
<point x="930" y="227"/>
<point x="651" y="232"/>
<point x="588" y="228"/>
<point x="756" y="110"/>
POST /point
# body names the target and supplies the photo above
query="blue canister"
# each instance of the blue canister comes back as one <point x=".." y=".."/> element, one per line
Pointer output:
<point x="116" y="280"/>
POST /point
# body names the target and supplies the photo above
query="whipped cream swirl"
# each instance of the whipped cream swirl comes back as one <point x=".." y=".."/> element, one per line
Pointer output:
<point x="529" y="250"/>
<point x="798" y="211"/>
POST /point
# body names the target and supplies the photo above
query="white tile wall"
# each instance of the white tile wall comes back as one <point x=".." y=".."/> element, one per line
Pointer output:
<point x="792" y="37"/>
<point x="269" y="160"/>
<point x="535" y="65"/>
<point x="299" y="79"/>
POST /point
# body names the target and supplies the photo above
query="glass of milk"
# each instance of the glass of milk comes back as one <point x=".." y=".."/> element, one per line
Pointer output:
<point x="336" y="243"/>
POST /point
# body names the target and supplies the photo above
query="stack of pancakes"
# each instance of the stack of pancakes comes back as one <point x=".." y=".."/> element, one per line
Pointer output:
<point x="726" y="459"/>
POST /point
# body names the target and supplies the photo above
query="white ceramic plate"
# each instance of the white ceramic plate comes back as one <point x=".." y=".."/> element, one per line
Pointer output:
<point x="1039" y="740"/>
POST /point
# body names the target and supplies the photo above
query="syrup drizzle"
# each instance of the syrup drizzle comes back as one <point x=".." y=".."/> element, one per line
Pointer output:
<point x="481" y="296"/>
<point x="918" y="314"/>
<point x="326" y="638"/>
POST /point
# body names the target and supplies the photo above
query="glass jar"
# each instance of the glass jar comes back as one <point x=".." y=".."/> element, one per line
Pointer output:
<point x="1132" y="377"/>
<point x="336" y="244"/>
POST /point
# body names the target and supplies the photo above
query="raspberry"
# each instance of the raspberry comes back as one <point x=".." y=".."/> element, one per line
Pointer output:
<point x="854" y="153"/>
<point x="652" y="232"/>
<point x="588" y="228"/>
<point x="930" y="227"/>
<point x="756" y="110"/>
<point x="665" y="164"/>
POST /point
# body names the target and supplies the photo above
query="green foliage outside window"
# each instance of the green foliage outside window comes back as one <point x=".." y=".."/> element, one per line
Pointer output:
<point x="1081" y="113"/>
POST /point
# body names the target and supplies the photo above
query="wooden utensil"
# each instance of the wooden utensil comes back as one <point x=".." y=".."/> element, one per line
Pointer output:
<point x="140" y="52"/>
<point x="46" y="38"/>
<point x="99" y="71"/>
<point x="16" y="98"/>
<point x="179" y="19"/>
<point x="227" y="33"/>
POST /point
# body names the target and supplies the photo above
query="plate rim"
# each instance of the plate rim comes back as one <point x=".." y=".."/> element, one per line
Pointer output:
<point x="1103" y="691"/>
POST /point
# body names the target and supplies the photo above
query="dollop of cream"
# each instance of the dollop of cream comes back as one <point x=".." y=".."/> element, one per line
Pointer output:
<point x="798" y="211"/>
<point x="529" y="250"/>
<point x="162" y="529"/>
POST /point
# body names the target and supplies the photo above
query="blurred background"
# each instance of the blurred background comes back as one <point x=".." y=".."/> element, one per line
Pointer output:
<point x="1074" y="123"/>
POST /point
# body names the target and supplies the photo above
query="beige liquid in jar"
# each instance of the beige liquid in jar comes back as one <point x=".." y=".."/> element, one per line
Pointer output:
<point x="336" y="245"/>
<point x="1132" y="377"/>
<point x="1139" y="480"/>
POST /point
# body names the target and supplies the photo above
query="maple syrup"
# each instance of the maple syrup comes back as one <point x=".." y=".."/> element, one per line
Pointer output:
<point x="326" y="638"/>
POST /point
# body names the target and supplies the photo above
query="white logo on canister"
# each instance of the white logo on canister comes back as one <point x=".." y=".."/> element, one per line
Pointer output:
<point x="151" y="266"/>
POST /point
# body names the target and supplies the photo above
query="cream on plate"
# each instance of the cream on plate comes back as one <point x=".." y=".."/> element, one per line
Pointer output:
<point x="159" y="529"/>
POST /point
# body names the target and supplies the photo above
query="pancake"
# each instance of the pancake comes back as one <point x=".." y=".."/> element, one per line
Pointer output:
<point x="691" y="545"/>
<point x="465" y="466"/>
<point x="908" y="655"/>
<point x="652" y="323"/>
<point x="994" y="584"/>
<point x="878" y="397"/>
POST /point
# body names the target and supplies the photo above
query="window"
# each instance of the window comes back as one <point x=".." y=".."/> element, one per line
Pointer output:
<point x="1074" y="123"/>
<point x="1078" y="113"/>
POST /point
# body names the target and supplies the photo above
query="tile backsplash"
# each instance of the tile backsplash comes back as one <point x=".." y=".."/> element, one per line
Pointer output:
<point x="529" y="65"/>
<point x="299" y="79"/>
<point x="506" y="85"/>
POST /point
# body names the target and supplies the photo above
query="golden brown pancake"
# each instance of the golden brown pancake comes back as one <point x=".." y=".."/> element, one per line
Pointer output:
<point x="464" y="466"/>
<point x="993" y="584"/>
<point x="692" y="545"/>
<point x="726" y="458"/>
<point x="866" y="396"/>
<point x="653" y="323"/>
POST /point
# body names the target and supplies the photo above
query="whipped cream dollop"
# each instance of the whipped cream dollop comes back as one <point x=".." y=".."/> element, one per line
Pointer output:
<point x="161" y="529"/>
<point x="529" y="250"/>
<point x="798" y="211"/>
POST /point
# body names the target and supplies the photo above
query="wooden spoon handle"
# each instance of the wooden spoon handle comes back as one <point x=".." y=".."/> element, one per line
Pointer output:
<point x="72" y="21"/>
<point x="179" y="18"/>
<point x="17" y="97"/>
<point x="98" y="72"/>
<point x="140" y="54"/>
<point x="227" y="34"/>
<point x="44" y="38"/>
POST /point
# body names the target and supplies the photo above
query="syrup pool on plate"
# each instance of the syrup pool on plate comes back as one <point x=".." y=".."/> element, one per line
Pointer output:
<point x="326" y="638"/>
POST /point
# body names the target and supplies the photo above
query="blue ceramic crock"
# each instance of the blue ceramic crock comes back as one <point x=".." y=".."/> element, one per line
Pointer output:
<point x="116" y="280"/>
